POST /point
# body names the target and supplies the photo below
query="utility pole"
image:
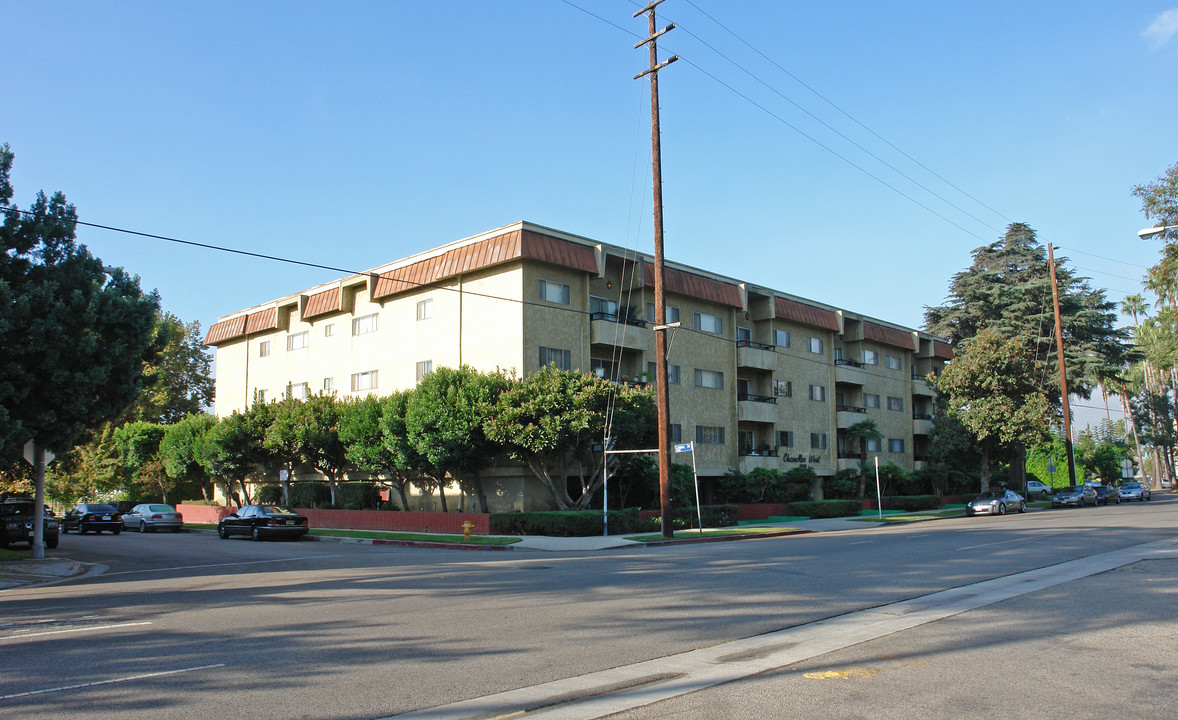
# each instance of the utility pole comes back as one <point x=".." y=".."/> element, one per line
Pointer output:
<point x="660" y="303"/>
<point x="1063" y="375"/>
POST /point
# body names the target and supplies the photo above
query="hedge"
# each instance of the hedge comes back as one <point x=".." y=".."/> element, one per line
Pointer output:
<point x="685" y="517"/>
<point x="910" y="503"/>
<point x="825" y="508"/>
<point x="563" y="523"/>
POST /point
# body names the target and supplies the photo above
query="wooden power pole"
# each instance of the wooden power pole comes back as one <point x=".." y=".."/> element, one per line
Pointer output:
<point x="660" y="304"/>
<point x="1063" y="375"/>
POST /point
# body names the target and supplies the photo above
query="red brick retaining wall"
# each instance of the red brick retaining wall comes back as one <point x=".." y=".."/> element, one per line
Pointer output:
<point x="361" y="519"/>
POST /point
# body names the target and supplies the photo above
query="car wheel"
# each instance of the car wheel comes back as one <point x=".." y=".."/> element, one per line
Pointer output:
<point x="257" y="534"/>
<point x="1001" y="508"/>
<point x="223" y="532"/>
<point x="1022" y="507"/>
<point x="51" y="542"/>
<point x="116" y="531"/>
<point x="82" y="529"/>
<point x="142" y="526"/>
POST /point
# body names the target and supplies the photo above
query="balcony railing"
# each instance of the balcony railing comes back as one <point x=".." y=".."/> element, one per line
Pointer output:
<point x="848" y="408"/>
<point x="759" y="346"/>
<point x="848" y="455"/>
<point x="615" y="317"/>
<point x="757" y="398"/>
<point x="921" y="416"/>
<point x="844" y="361"/>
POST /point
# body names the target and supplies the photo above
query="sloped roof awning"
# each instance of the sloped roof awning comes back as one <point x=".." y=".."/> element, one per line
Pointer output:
<point x="805" y="314"/>
<point x="942" y="350"/>
<point x="322" y="303"/>
<point x="242" y="325"/>
<point x="888" y="336"/>
<point x="688" y="284"/>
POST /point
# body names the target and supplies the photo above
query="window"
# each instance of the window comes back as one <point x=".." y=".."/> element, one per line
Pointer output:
<point x="364" y="381"/>
<point x="425" y="367"/>
<point x="329" y="330"/>
<point x="425" y="309"/>
<point x="599" y="305"/>
<point x="562" y="359"/>
<point x="743" y="335"/>
<point x="364" y="325"/>
<point x="264" y="348"/>
<point x="709" y="379"/>
<point x="818" y="392"/>
<point x="672" y="313"/>
<point x="816" y="345"/>
<point x="872" y="445"/>
<point x="672" y="372"/>
<point x="744" y="442"/>
<point x="708" y="323"/>
<point x="328" y="383"/>
<point x="785" y="438"/>
<point x="299" y="391"/>
<point x="296" y="341"/>
<point x="709" y="434"/>
<point x="817" y="441"/>
<point x="554" y="292"/>
<point x="783" y="388"/>
<point x="895" y="403"/>
<point x="870" y="400"/>
<point x="781" y="338"/>
<point x="870" y="357"/>
<point x="895" y="363"/>
<point x="895" y="445"/>
<point x="676" y="433"/>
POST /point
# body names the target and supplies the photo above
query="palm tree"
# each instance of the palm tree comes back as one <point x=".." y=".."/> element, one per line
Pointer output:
<point x="862" y="432"/>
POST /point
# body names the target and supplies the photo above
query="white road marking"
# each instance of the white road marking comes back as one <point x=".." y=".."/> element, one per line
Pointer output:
<point x="860" y="542"/>
<point x="130" y="678"/>
<point x="1000" y="542"/>
<point x="72" y="630"/>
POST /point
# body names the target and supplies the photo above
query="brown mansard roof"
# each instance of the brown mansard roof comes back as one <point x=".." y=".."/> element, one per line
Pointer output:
<point x="322" y="303"/>
<point x="692" y="285"/>
<point x="805" y="314"/>
<point x="492" y="251"/>
<point x="942" y="350"/>
<point x="888" y="336"/>
<point x="242" y="325"/>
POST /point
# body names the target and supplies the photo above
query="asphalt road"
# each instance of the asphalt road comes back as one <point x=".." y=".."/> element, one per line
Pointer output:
<point x="185" y="624"/>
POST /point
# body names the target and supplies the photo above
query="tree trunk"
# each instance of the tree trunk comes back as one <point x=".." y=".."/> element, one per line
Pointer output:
<point x="331" y="484"/>
<point x="1018" y="469"/>
<point x="477" y="481"/>
<point x="442" y="492"/>
<point x="1133" y="428"/>
<point x="985" y="469"/>
<point x="862" y="475"/>
<point x="399" y="485"/>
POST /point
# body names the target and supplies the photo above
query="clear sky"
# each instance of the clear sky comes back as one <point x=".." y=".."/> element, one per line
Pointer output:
<point x="849" y="152"/>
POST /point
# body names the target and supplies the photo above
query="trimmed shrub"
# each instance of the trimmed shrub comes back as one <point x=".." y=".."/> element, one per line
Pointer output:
<point x="309" y="495"/>
<point x="911" y="503"/>
<point x="269" y="495"/>
<point x="825" y="508"/>
<point x="563" y="523"/>
<point x="683" y="518"/>
<point x="356" y="496"/>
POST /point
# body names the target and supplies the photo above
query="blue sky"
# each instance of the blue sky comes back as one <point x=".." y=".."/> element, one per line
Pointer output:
<point x="352" y="134"/>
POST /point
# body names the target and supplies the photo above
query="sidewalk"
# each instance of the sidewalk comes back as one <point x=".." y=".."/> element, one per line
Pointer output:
<point x="32" y="573"/>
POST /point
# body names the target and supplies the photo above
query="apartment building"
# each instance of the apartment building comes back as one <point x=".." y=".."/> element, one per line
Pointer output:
<point x="759" y="378"/>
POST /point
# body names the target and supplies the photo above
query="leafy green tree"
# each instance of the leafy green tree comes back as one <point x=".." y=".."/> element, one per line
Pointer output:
<point x="863" y="432"/>
<point x="235" y="448"/>
<point x="322" y="447"/>
<point x="183" y="450"/>
<point x="138" y="445"/>
<point x="552" y="419"/>
<point x="411" y="465"/>
<point x="993" y="388"/>
<point x="75" y="338"/>
<point x="444" y="419"/>
<point x="178" y="382"/>
<point x="364" y="446"/>
<point x="1159" y="201"/>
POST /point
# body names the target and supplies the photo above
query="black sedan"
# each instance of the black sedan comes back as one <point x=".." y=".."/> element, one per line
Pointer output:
<point x="1106" y="494"/>
<point x="89" y="516"/>
<point x="263" y="521"/>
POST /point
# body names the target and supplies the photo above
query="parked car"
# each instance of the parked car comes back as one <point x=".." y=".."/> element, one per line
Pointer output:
<point x="1078" y="495"/>
<point x="996" y="502"/>
<point x="1135" y="491"/>
<point x="262" y="521"/>
<point x="1167" y="483"/>
<point x="149" y="517"/>
<point x="92" y="516"/>
<point x="1106" y="494"/>
<point x="16" y="523"/>
<point x="1036" y="489"/>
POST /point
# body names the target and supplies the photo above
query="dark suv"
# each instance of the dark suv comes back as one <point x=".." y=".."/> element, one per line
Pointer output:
<point x="16" y="523"/>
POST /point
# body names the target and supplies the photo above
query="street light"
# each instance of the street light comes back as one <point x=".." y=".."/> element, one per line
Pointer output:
<point x="1151" y="233"/>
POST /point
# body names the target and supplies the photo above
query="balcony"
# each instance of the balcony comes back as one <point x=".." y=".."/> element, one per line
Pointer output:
<point x="849" y="372"/>
<point x="755" y="355"/>
<point x="921" y="387"/>
<point x="846" y="416"/>
<point x="848" y="460"/>
<point x="756" y="408"/>
<point x="748" y="463"/>
<point x="625" y="333"/>
<point x="922" y="424"/>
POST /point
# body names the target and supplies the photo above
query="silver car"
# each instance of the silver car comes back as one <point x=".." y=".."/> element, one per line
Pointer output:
<point x="996" y="502"/>
<point x="149" y="517"/>
<point x="1135" y="491"/>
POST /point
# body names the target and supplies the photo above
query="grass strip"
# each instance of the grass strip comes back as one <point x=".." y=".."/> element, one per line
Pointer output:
<point x="417" y="537"/>
<point x="15" y="554"/>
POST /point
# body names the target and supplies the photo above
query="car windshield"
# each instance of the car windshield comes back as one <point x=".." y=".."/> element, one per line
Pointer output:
<point x="97" y="508"/>
<point x="1069" y="489"/>
<point x="1130" y="486"/>
<point x="18" y="508"/>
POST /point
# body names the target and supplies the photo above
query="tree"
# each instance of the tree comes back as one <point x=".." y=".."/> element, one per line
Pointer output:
<point x="410" y="464"/>
<point x="234" y="448"/>
<point x="364" y="444"/>
<point x="1159" y="201"/>
<point x="863" y="432"/>
<point x="992" y="387"/>
<point x="75" y="339"/>
<point x="178" y="382"/>
<point x="322" y="447"/>
<point x="184" y="448"/>
<point x="444" y="418"/>
<point x="552" y="419"/>
<point x="138" y="445"/>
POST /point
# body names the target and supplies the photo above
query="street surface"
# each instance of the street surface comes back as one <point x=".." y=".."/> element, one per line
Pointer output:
<point x="187" y="624"/>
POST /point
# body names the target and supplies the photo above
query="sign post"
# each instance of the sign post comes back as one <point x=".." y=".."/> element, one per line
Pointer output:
<point x="699" y="515"/>
<point x="38" y="457"/>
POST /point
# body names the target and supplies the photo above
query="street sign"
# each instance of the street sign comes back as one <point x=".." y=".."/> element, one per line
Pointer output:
<point x="685" y="447"/>
<point x="1126" y="469"/>
<point x="29" y="447"/>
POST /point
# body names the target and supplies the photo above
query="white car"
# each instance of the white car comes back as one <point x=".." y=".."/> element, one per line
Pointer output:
<point x="149" y="517"/>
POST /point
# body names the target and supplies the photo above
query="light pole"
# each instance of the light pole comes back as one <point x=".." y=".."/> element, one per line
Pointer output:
<point x="1151" y="233"/>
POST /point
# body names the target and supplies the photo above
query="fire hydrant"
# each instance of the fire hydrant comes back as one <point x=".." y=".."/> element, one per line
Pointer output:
<point x="466" y="528"/>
